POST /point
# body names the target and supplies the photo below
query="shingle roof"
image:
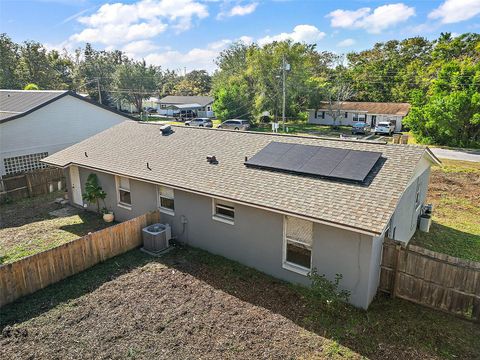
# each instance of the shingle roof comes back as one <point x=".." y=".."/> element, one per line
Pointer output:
<point x="179" y="160"/>
<point x="387" y="108"/>
<point x="18" y="103"/>
<point x="201" y="100"/>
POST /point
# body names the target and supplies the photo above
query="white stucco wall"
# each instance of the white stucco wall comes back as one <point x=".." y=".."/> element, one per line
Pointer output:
<point x="348" y="121"/>
<point x="54" y="127"/>
<point x="404" y="220"/>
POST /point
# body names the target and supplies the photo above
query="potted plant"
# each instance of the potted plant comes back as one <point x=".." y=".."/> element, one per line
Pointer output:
<point x="108" y="215"/>
<point x="94" y="192"/>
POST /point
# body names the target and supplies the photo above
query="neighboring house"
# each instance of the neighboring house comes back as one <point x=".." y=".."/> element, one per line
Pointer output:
<point x="352" y="112"/>
<point x="35" y="124"/>
<point x="200" y="105"/>
<point x="284" y="223"/>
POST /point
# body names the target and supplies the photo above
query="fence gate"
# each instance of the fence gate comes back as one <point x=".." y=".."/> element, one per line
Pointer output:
<point x="431" y="279"/>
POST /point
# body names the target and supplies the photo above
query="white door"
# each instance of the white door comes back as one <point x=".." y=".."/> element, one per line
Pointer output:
<point x="76" y="186"/>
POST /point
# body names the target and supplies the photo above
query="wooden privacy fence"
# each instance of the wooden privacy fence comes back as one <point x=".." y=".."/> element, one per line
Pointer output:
<point x="35" y="272"/>
<point x="432" y="279"/>
<point x="34" y="183"/>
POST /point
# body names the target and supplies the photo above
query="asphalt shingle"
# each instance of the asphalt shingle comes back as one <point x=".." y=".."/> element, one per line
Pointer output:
<point x="179" y="160"/>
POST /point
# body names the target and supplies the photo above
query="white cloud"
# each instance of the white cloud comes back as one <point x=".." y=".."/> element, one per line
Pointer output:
<point x="453" y="11"/>
<point x="246" y="39"/>
<point x="194" y="59"/>
<point x="136" y="49"/>
<point x="376" y="21"/>
<point x="238" y="10"/>
<point x="118" y="23"/>
<point x="301" y="33"/>
<point x="346" y="43"/>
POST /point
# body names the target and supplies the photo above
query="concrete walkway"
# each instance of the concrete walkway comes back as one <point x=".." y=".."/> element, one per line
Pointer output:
<point x="458" y="154"/>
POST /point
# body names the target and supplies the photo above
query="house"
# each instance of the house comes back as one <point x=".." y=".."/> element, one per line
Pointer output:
<point x="34" y="124"/>
<point x="199" y="106"/>
<point x="352" y="112"/>
<point x="244" y="207"/>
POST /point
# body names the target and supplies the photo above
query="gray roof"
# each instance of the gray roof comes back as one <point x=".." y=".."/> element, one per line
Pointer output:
<point x="17" y="103"/>
<point x="201" y="100"/>
<point x="179" y="160"/>
<point x="386" y="108"/>
<point x="14" y="102"/>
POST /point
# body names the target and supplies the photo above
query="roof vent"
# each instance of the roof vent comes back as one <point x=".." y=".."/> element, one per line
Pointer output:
<point x="166" y="130"/>
<point x="211" y="159"/>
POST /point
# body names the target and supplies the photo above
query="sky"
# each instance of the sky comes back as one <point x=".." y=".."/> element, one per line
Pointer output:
<point x="189" y="34"/>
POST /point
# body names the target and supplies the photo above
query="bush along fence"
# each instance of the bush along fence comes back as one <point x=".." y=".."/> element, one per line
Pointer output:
<point x="34" y="183"/>
<point x="35" y="272"/>
<point x="431" y="279"/>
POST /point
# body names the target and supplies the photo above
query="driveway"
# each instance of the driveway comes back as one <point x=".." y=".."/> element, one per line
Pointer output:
<point x="457" y="154"/>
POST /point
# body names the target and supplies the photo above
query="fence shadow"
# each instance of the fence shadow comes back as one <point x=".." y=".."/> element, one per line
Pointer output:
<point x="70" y="288"/>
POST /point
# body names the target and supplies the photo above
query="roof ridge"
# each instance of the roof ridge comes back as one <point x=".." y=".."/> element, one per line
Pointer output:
<point x="276" y="134"/>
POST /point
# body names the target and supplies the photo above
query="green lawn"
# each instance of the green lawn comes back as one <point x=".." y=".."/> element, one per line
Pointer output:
<point x="455" y="192"/>
<point x="133" y="294"/>
<point x="27" y="228"/>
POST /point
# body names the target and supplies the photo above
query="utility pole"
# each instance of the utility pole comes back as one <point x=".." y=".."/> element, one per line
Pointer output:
<point x="283" y="90"/>
<point x="99" y="92"/>
<point x="285" y="68"/>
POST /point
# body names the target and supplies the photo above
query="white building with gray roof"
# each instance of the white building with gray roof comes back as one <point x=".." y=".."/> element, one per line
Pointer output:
<point x="38" y="123"/>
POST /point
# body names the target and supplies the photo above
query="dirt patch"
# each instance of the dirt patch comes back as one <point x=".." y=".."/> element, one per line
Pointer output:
<point x="194" y="305"/>
<point x="161" y="312"/>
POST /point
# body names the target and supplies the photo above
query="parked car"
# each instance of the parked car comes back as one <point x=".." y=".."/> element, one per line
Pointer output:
<point x="149" y="110"/>
<point x="184" y="114"/>
<point x="235" y="124"/>
<point x="384" y="127"/>
<point x="202" y="122"/>
<point x="361" y="128"/>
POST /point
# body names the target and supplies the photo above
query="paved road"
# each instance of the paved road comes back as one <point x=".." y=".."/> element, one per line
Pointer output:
<point x="467" y="155"/>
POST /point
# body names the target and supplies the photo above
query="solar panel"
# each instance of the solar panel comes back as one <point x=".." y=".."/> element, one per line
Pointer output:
<point x="345" y="164"/>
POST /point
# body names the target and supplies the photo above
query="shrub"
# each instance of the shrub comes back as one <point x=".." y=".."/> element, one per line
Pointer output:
<point x="327" y="293"/>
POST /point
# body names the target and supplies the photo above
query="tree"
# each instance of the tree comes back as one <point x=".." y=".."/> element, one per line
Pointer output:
<point x="135" y="81"/>
<point x="31" y="86"/>
<point x="196" y="82"/>
<point x="451" y="114"/>
<point x="8" y="63"/>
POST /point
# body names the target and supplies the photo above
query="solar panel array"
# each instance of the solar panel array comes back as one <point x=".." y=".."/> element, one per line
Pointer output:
<point x="344" y="164"/>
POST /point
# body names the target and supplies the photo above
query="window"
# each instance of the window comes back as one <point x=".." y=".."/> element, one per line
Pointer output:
<point x="316" y="114"/>
<point x="209" y="108"/>
<point x="223" y="211"/>
<point x="166" y="201"/>
<point x="359" y="117"/>
<point x="163" y="106"/>
<point x="123" y="192"/>
<point x="24" y="163"/>
<point x="346" y="115"/>
<point x="298" y="239"/>
<point x="323" y="114"/>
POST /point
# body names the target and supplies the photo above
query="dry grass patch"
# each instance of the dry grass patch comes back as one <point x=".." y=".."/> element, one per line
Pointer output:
<point x="455" y="192"/>
<point x="27" y="228"/>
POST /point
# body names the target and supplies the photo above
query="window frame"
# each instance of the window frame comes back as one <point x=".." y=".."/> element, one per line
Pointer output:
<point x="223" y="218"/>
<point x="299" y="269"/>
<point x="119" y="188"/>
<point x="162" y="209"/>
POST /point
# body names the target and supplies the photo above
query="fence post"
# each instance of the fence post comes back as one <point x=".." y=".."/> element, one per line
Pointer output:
<point x="29" y="185"/>
<point x="396" y="274"/>
<point x="476" y="310"/>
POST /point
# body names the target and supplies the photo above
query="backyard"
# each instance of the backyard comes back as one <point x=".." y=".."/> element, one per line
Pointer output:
<point x="36" y="224"/>
<point x="454" y="191"/>
<point x="191" y="304"/>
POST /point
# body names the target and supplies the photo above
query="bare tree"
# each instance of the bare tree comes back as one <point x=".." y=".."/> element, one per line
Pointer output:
<point x="340" y="91"/>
